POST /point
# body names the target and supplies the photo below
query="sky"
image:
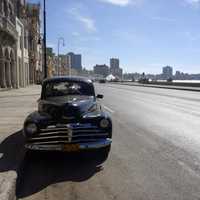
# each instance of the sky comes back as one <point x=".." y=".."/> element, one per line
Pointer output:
<point x="144" y="34"/>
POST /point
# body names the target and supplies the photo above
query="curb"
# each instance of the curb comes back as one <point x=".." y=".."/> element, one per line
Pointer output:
<point x="8" y="179"/>
<point x="8" y="185"/>
<point x="161" y="87"/>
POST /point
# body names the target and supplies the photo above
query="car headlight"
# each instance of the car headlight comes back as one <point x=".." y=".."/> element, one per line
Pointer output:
<point x="31" y="129"/>
<point x="104" y="123"/>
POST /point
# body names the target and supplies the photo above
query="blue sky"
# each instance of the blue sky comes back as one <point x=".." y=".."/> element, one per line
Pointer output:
<point x="145" y="34"/>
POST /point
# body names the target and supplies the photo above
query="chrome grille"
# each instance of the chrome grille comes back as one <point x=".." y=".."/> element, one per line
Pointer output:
<point x="73" y="133"/>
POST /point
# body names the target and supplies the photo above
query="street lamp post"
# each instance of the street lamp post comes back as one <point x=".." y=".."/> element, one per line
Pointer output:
<point x="63" y="44"/>
<point x="70" y="70"/>
<point x="44" y="40"/>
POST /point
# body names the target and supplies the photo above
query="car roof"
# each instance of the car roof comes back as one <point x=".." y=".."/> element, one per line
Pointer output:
<point x="67" y="78"/>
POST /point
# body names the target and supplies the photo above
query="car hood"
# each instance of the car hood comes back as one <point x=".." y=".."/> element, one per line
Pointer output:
<point x="70" y="106"/>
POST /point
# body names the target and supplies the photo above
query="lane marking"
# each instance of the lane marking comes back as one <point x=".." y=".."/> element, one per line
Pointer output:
<point x="187" y="168"/>
<point x="108" y="109"/>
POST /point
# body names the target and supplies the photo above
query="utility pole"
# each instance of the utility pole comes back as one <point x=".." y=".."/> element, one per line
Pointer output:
<point x="45" y="41"/>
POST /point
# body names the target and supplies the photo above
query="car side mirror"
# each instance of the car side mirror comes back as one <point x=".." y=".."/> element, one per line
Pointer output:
<point x="99" y="96"/>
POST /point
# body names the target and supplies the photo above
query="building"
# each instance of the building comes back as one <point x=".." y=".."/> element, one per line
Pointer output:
<point x="22" y="56"/>
<point x="22" y="44"/>
<point x="14" y="59"/>
<point x="69" y="64"/>
<point x="167" y="72"/>
<point x="34" y="43"/>
<point x="20" y="53"/>
<point x="115" y="69"/>
<point x="64" y="65"/>
<point x="101" y="70"/>
<point x="87" y="73"/>
<point x="77" y="62"/>
<point x="114" y="63"/>
<point x="74" y="61"/>
<point x="51" y="62"/>
<point x="8" y="44"/>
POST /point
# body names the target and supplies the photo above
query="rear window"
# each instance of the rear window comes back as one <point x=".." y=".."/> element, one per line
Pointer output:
<point x="65" y="88"/>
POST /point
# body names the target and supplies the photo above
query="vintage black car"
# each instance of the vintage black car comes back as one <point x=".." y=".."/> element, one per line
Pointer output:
<point x="69" y="118"/>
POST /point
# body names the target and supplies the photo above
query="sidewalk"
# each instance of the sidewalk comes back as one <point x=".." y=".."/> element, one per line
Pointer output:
<point x="15" y="105"/>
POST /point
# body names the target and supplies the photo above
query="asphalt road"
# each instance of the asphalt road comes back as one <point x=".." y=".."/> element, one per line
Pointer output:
<point x="155" y="152"/>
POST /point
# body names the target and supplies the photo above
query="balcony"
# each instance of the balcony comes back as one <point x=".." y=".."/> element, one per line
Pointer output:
<point x="8" y="26"/>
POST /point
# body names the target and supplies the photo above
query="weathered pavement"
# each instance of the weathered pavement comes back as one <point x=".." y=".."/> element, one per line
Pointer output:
<point x="14" y="106"/>
<point x="155" y="152"/>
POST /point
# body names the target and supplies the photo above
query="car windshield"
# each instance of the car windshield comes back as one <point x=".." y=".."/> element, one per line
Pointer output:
<point x="68" y="88"/>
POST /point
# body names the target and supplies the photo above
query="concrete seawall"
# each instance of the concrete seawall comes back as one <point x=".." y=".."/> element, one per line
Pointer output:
<point x="195" y="87"/>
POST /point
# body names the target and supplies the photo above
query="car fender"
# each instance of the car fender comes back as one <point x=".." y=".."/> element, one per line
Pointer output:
<point x="38" y="118"/>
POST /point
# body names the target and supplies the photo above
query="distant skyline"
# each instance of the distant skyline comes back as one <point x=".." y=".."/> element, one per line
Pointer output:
<point x="144" y="34"/>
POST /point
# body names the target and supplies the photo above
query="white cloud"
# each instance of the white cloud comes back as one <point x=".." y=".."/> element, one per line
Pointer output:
<point x="87" y="21"/>
<point x="122" y="2"/>
<point x="118" y="2"/>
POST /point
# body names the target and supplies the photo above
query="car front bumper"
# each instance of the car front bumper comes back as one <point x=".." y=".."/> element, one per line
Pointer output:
<point x="60" y="147"/>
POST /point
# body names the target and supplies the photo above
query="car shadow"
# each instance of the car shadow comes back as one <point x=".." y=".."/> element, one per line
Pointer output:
<point x="11" y="152"/>
<point x="38" y="171"/>
<point x="43" y="169"/>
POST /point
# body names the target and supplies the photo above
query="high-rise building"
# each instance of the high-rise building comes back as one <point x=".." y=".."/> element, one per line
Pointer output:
<point x="78" y="62"/>
<point x="114" y="63"/>
<point x="75" y="61"/>
<point x="167" y="72"/>
<point x="101" y="70"/>
<point x="115" y="69"/>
